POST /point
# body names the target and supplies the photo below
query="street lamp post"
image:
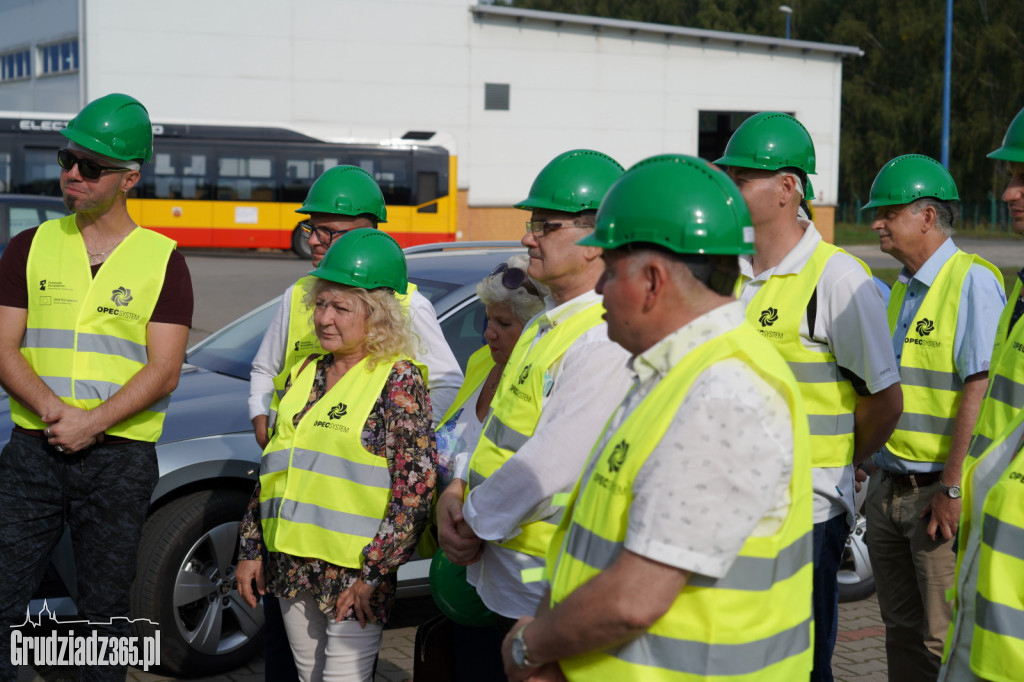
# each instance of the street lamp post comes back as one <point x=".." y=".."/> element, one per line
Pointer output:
<point x="788" y="11"/>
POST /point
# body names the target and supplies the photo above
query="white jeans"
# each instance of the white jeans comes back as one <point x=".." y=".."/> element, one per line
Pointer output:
<point x="326" y="650"/>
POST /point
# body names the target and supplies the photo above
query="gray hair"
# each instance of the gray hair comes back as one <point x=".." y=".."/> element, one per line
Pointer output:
<point x="946" y="212"/>
<point x="524" y="305"/>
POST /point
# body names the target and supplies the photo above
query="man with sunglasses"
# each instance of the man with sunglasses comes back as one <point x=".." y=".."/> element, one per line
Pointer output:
<point x="821" y="310"/>
<point x="343" y="198"/>
<point x="94" y="318"/>
<point x="562" y="380"/>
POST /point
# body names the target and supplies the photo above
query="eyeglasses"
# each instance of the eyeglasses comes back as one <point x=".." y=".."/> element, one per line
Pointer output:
<point x="324" y="235"/>
<point x="88" y="169"/>
<point x="513" y="278"/>
<point x="542" y="228"/>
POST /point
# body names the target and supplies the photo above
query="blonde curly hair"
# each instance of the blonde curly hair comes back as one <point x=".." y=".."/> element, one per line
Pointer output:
<point x="388" y="332"/>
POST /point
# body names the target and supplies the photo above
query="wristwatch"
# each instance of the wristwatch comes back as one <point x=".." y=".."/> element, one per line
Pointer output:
<point x="520" y="656"/>
<point x="951" y="491"/>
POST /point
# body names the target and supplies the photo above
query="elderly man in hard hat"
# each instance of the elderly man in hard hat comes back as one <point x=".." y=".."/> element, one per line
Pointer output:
<point x="685" y="552"/>
<point x="819" y="307"/>
<point x="942" y="316"/>
<point x="562" y="380"/>
<point x="985" y="642"/>
<point x="94" y="317"/>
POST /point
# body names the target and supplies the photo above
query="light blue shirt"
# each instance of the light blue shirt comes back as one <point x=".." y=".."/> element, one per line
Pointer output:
<point x="982" y="300"/>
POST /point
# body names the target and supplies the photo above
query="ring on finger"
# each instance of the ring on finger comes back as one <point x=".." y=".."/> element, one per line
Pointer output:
<point x="58" y="448"/>
<point x="47" y="431"/>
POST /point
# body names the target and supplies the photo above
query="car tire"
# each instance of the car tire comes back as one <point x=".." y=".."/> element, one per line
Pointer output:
<point x="856" y="579"/>
<point x="186" y="585"/>
<point x="300" y="244"/>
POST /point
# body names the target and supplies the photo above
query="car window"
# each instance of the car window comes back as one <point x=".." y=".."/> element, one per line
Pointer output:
<point x="464" y="328"/>
<point x="24" y="218"/>
<point x="53" y="214"/>
<point x="432" y="289"/>
<point x="230" y="351"/>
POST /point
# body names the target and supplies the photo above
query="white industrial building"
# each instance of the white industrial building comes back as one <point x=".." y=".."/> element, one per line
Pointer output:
<point x="511" y="88"/>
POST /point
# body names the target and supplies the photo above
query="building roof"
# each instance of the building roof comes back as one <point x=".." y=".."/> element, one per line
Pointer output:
<point x="599" y="25"/>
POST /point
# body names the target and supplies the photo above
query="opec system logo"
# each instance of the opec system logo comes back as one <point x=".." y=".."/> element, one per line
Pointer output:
<point x="769" y="316"/>
<point x="121" y="296"/>
<point x="925" y="327"/>
<point x="338" y="411"/>
<point x="618" y="456"/>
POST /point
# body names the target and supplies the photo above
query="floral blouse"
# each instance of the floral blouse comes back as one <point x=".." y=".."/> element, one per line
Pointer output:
<point x="398" y="429"/>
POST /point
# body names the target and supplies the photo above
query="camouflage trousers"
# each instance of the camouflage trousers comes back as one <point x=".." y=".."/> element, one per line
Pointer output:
<point x="101" y="494"/>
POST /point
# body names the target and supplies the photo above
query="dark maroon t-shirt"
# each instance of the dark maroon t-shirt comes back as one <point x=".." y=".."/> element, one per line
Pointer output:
<point x="173" y="307"/>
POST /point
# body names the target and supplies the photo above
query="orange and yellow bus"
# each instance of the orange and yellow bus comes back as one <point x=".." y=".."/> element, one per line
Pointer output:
<point x="237" y="187"/>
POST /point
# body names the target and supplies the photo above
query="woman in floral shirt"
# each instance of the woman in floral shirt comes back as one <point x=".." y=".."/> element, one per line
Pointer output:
<point x="333" y="612"/>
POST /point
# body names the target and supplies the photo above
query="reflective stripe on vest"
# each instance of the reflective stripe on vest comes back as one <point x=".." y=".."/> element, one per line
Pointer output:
<point x="86" y="337"/>
<point x="1005" y="395"/>
<point x="997" y="645"/>
<point x="753" y="623"/>
<point x="778" y="311"/>
<point x="478" y="366"/>
<point x="323" y="494"/>
<point x="932" y="388"/>
<point x="516" y="408"/>
<point x="302" y="342"/>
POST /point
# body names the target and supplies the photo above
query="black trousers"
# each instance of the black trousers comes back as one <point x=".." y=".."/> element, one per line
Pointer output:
<point x="102" y="494"/>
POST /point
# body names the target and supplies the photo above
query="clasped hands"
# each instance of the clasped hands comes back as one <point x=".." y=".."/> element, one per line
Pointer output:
<point x="455" y="536"/>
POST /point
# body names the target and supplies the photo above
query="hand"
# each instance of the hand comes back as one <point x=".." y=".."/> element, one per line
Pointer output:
<point x="454" y="535"/>
<point x="249" y="571"/>
<point x="260" y="425"/>
<point x="70" y="429"/>
<point x="357" y="598"/>
<point x="945" y="516"/>
<point x="859" y="476"/>
<point x="513" y="671"/>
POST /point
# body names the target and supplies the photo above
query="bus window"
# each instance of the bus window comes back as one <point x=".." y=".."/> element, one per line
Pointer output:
<point x="5" y="172"/>
<point x="41" y="173"/>
<point x="245" y="178"/>
<point x="176" y="175"/>
<point x="299" y="174"/>
<point x="426" y="190"/>
<point x="391" y="171"/>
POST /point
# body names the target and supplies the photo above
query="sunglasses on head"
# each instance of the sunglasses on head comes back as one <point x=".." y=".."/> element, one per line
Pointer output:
<point x="513" y="278"/>
<point x="88" y="169"/>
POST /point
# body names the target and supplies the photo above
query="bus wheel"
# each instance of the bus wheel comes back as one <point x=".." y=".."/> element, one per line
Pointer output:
<point x="300" y="244"/>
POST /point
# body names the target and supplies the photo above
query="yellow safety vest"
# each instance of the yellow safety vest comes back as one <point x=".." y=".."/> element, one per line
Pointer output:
<point x="776" y="311"/>
<point x="932" y="388"/>
<point x="86" y="337"/>
<point x="997" y="640"/>
<point x="516" y="408"/>
<point x="322" y="494"/>
<point x="478" y="366"/>
<point x="1005" y="395"/>
<point x="753" y="623"/>
<point x="302" y="341"/>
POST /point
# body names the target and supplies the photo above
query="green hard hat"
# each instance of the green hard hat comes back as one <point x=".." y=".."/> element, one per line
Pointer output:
<point x="453" y="594"/>
<point x="1013" y="141"/>
<point x="678" y="202"/>
<point x="114" y="125"/>
<point x="366" y="258"/>
<point x="908" y="178"/>
<point x="574" y="181"/>
<point x="345" y="190"/>
<point x="770" y="140"/>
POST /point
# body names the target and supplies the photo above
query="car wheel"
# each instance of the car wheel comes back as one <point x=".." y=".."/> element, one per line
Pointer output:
<point x="856" y="579"/>
<point x="300" y="244"/>
<point x="186" y="584"/>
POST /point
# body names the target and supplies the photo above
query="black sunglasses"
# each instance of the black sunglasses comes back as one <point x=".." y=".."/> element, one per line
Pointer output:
<point x="323" y="235"/>
<point x="513" y="278"/>
<point x="90" y="170"/>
